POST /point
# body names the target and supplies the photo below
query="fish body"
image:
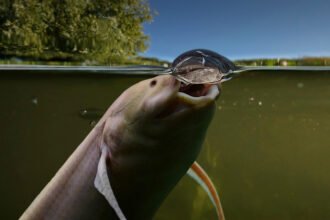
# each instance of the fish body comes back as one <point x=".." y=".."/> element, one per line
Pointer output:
<point x="145" y="142"/>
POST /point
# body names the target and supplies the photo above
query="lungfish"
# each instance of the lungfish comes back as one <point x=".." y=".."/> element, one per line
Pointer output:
<point x="135" y="155"/>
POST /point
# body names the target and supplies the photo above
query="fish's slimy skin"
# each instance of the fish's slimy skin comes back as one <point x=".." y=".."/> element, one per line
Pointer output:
<point x="147" y="163"/>
<point x="153" y="134"/>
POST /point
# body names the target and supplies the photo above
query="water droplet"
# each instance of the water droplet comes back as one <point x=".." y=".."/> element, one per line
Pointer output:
<point x="260" y="103"/>
<point x="251" y="99"/>
<point x="219" y="107"/>
<point x="35" y="101"/>
<point x="300" y="85"/>
<point x="234" y="103"/>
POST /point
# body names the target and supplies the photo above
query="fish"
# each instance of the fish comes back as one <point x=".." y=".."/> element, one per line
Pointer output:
<point x="138" y="151"/>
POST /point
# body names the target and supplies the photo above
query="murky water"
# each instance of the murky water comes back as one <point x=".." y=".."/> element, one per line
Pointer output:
<point x="267" y="148"/>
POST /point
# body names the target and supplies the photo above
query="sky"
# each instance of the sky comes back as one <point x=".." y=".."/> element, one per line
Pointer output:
<point x="240" y="29"/>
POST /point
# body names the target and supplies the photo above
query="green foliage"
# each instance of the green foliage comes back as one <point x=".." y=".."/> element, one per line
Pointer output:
<point x="152" y="61"/>
<point x="304" y="61"/>
<point x="107" y="31"/>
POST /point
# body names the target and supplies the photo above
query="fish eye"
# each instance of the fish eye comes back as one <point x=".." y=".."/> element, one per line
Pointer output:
<point x="153" y="83"/>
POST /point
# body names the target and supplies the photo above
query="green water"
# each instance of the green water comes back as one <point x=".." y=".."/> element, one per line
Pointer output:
<point x="267" y="149"/>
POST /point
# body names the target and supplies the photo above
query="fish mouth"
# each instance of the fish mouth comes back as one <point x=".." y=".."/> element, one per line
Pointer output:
<point x="198" y="94"/>
<point x="191" y="97"/>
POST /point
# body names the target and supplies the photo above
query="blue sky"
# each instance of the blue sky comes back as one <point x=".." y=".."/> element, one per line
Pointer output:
<point x="240" y="28"/>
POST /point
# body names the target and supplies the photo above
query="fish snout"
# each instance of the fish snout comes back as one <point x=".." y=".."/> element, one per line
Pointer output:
<point x="165" y="81"/>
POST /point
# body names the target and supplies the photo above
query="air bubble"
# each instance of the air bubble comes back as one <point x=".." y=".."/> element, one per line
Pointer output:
<point x="35" y="101"/>
<point x="300" y="85"/>
<point x="202" y="67"/>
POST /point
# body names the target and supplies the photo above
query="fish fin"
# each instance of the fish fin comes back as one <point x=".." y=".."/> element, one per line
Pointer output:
<point x="200" y="176"/>
<point x="102" y="183"/>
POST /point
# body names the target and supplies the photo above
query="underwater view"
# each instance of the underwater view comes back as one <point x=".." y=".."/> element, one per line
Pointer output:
<point x="266" y="149"/>
<point x="164" y="110"/>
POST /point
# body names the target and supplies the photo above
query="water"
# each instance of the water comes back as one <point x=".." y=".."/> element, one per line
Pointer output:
<point x="266" y="149"/>
<point x="199" y="66"/>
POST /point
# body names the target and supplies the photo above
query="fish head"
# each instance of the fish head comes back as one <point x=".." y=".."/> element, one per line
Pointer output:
<point x="163" y="113"/>
<point x="162" y="103"/>
<point x="179" y="115"/>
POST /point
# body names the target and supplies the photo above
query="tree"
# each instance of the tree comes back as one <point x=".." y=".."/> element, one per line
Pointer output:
<point x="104" y="30"/>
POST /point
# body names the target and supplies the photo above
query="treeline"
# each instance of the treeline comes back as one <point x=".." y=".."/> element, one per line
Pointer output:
<point x="102" y="31"/>
<point x="304" y="61"/>
<point x="153" y="61"/>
